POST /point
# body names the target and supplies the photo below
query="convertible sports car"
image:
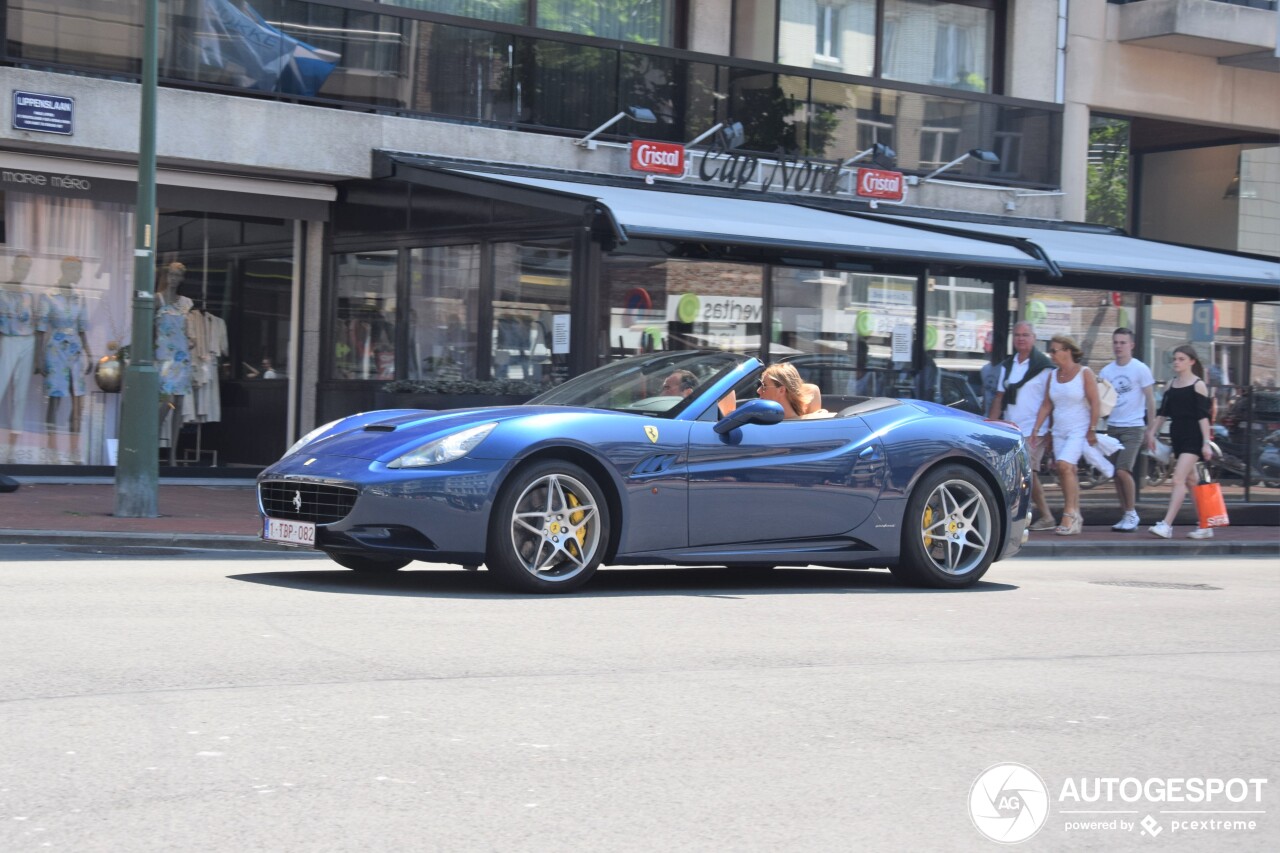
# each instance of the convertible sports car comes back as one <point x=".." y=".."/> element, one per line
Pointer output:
<point x="666" y="458"/>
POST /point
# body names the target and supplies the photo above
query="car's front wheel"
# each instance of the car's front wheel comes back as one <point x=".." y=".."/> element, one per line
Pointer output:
<point x="369" y="565"/>
<point x="951" y="530"/>
<point x="549" y="529"/>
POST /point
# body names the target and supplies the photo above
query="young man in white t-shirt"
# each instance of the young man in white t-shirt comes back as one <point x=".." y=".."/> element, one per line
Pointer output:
<point x="1135" y="408"/>
<point x="1025" y="396"/>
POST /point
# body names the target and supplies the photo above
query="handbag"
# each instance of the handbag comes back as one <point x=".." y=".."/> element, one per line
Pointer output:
<point x="1208" y="497"/>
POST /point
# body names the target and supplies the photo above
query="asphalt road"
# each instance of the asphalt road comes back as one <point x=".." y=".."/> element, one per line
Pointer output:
<point x="231" y="701"/>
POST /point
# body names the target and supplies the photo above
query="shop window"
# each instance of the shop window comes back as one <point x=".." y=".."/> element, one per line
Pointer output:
<point x="663" y="304"/>
<point x="365" y="325"/>
<point x="444" y="306"/>
<point x="263" y="339"/>
<point x="958" y="343"/>
<point x="840" y="329"/>
<point x="531" y="297"/>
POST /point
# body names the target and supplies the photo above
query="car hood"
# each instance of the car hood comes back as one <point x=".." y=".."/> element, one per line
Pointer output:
<point x="384" y="439"/>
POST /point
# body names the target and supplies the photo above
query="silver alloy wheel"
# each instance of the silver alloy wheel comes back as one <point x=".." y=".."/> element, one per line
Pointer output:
<point x="955" y="527"/>
<point x="555" y="527"/>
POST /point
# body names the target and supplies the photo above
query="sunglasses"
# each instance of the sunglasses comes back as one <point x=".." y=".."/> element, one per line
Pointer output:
<point x="762" y="385"/>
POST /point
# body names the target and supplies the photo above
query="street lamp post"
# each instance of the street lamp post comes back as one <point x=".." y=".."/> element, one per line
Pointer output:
<point x="137" y="464"/>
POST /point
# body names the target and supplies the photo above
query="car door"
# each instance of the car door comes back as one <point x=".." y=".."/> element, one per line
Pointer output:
<point x="795" y="480"/>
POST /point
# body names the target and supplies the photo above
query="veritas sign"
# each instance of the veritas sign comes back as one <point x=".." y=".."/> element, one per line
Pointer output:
<point x="880" y="183"/>
<point x="666" y="158"/>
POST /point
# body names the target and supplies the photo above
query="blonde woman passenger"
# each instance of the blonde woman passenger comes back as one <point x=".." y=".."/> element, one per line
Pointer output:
<point x="782" y="384"/>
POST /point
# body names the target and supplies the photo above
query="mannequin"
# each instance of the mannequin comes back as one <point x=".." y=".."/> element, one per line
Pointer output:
<point x="61" y="321"/>
<point x="17" y="348"/>
<point x="173" y="349"/>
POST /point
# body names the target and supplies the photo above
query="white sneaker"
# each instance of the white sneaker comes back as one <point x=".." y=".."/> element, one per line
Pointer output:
<point x="1161" y="529"/>
<point x="1201" y="533"/>
<point x="1127" y="523"/>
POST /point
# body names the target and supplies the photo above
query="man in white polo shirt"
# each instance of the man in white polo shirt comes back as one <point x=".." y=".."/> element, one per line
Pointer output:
<point x="1135" y="408"/>
<point x="1020" y="390"/>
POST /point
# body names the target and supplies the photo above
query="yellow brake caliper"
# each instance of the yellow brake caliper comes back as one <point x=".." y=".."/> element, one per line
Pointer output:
<point x="575" y="518"/>
<point x="928" y="523"/>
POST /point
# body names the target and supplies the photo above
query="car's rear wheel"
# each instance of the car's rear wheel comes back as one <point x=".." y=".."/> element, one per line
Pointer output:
<point x="549" y="529"/>
<point x="951" y="530"/>
<point x="369" y="565"/>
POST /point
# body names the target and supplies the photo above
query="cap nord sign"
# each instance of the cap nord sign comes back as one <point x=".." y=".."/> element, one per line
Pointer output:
<point x="664" y="157"/>
<point x="879" y="183"/>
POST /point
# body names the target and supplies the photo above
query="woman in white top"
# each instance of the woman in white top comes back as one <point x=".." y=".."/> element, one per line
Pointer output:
<point x="1072" y="399"/>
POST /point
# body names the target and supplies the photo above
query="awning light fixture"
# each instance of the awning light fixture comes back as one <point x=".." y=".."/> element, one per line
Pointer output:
<point x="642" y="115"/>
<point x="980" y="154"/>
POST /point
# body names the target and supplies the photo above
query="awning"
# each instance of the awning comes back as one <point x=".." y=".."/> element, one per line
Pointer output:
<point x="1077" y="249"/>
<point x="634" y="213"/>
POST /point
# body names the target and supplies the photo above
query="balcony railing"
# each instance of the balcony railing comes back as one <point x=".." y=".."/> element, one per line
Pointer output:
<point x="372" y="57"/>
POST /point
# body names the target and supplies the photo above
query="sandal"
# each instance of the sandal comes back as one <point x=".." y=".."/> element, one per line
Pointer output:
<point x="1069" y="528"/>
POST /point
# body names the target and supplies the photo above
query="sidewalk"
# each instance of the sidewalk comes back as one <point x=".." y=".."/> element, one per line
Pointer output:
<point x="225" y="515"/>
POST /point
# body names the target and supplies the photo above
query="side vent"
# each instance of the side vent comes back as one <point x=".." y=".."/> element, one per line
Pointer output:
<point x="380" y="428"/>
<point x="655" y="464"/>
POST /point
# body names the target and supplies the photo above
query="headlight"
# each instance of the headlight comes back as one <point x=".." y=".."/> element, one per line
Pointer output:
<point x="446" y="449"/>
<point x="308" y="438"/>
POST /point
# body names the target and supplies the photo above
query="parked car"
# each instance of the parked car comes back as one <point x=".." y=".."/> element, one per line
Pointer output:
<point x="611" y="469"/>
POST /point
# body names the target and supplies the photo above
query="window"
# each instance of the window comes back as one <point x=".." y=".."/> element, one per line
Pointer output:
<point x="949" y="43"/>
<point x="938" y="145"/>
<point x="827" y="32"/>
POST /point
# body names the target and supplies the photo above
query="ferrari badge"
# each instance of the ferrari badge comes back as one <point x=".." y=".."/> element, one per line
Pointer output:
<point x="652" y="432"/>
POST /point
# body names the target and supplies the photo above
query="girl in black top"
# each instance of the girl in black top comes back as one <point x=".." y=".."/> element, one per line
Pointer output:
<point x="1186" y="406"/>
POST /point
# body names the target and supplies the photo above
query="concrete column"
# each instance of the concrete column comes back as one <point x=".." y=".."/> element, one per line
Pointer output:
<point x="1075" y="160"/>
<point x="309" y="329"/>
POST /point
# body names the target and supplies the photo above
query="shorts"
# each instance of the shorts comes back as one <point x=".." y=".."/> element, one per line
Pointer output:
<point x="1131" y="437"/>
<point x="1069" y="448"/>
<point x="1036" y="451"/>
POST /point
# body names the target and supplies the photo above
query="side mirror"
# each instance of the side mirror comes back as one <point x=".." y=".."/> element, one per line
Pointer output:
<point x="762" y="412"/>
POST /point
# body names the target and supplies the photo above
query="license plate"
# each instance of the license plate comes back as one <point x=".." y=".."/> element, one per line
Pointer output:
<point x="293" y="532"/>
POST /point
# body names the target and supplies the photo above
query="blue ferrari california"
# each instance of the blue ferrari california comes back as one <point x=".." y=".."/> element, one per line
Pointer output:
<point x="666" y="458"/>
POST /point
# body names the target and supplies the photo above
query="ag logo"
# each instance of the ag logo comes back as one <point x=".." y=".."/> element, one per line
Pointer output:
<point x="652" y="432"/>
<point x="688" y="307"/>
<point x="1008" y="803"/>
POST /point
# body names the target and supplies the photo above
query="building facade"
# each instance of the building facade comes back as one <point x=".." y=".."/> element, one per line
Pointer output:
<point x="354" y="194"/>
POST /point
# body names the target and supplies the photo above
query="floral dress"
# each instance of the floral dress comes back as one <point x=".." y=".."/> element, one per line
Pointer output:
<point x="17" y="314"/>
<point x="63" y="317"/>
<point x="173" y="348"/>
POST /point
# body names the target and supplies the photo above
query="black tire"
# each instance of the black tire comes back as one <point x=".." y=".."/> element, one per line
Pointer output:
<point x="549" y="529"/>
<point x="369" y="565"/>
<point x="951" y="530"/>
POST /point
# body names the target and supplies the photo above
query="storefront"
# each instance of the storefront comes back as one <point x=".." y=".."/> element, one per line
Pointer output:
<point x="227" y="279"/>
<point x="505" y="283"/>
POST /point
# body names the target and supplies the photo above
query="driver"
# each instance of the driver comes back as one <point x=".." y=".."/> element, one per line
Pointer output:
<point x="679" y="384"/>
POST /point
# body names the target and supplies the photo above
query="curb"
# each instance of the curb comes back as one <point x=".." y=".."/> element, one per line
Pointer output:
<point x="215" y="541"/>
<point x="1155" y="548"/>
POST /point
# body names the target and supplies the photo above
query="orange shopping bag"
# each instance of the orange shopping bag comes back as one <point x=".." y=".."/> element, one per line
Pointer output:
<point x="1209" y="503"/>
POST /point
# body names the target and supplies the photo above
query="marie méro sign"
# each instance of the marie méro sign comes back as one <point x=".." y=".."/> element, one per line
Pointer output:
<point x="42" y="113"/>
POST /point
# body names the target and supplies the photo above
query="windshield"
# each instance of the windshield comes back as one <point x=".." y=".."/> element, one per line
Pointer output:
<point x="660" y="384"/>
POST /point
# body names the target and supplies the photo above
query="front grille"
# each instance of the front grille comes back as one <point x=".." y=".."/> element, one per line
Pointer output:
<point x="302" y="501"/>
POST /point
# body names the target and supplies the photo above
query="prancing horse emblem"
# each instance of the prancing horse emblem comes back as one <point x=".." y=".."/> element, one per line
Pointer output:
<point x="652" y="432"/>
<point x="297" y="501"/>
